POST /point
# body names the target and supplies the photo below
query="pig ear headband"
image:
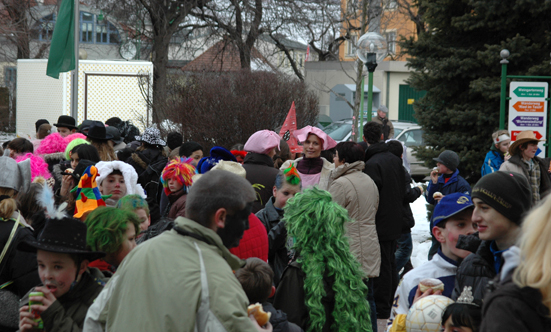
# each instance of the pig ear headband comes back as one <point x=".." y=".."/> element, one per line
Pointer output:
<point x="502" y="138"/>
<point x="291" y="175"/>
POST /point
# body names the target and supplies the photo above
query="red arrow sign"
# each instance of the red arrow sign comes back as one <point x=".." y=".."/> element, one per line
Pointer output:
<point x="529" y="106"/>
<point x="514" y="134"/>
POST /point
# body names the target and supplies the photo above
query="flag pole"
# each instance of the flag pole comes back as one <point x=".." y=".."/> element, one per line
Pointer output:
<point x="74" y="77"/>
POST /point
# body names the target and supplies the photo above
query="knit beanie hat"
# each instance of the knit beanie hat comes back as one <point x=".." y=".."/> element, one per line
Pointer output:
<point x="449" y="159"/>
<point x="174" y="139"/>
<point x="70" y="147"/>
<point x="508" y="193"/>
<point x="188" y="148"/>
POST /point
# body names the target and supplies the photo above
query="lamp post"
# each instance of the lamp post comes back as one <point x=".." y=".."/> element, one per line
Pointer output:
<point x="372" y="48"/>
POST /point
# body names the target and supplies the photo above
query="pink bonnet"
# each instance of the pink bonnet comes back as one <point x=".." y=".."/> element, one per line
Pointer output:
<point x="302" y="135"/>
<point x="263" y="141"/>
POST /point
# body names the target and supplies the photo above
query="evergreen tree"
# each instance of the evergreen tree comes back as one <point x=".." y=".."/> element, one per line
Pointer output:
<point x="456" y="60"/>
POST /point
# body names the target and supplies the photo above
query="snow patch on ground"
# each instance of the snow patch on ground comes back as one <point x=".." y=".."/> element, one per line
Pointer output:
<point x="420" y="233"/>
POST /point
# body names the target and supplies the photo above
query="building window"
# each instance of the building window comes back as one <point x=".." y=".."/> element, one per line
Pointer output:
<point x="391" y="41"/>
<point x="351" y="46"/>
<point x="10" y="76"/>
<point x="91" y="31"/>
<point x="44" y="29"/>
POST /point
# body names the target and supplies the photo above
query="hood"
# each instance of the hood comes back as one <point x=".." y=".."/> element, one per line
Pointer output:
<point x="347" y="168"/>
<point x="373" y="149"/>
<point x="511" y="259"/>
<point x="130" y="176"/>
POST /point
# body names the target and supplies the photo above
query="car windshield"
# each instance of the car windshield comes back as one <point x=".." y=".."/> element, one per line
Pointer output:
<point x="397" y="131"/>
<point x="338" y="131"/>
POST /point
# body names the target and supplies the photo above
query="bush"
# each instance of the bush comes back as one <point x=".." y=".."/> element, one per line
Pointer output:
<point x="225" y="109"/>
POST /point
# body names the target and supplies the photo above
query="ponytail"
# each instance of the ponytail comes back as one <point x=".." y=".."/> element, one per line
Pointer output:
<point x="8" y="205"/>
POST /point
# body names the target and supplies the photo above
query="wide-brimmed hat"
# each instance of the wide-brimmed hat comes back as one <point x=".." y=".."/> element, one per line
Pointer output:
<point x="113" y="131"/>
<point x="66" y="121"/>
<point x="85" y="125"/>
<point x="263" y="141"/>
<point x="64" y="236"/>
<point x="98" y="132"/>
<point x="151" y="136"/>
<point x="302" y="135"/>
<point x="523" y="137"/>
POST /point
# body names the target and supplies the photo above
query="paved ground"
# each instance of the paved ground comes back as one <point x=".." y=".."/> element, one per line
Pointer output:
<point x="381" y="325"/>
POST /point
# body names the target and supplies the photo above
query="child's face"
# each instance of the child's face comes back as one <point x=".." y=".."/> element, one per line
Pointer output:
<point x="449" y="327"/>
<point x="58" y="271"/>
<point x="282" y="195"/>
<point x="128" y="243"/>
<point x="442" y="169"/>
<point x="174" y="185"/>
<point x="503" y="146"/>
<point x="74" y="160"/>
<point x="145" y="220"/>
<point x="492" y="225"/>
<point x="196" y="156"/>
<point x="459" y="224"/>
<point x="114" y="185"/>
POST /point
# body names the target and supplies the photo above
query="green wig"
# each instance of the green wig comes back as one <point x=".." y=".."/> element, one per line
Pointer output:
<point x="317" y="225"/>
<point x="132" y="203"/>
<point x="107" y="227"/>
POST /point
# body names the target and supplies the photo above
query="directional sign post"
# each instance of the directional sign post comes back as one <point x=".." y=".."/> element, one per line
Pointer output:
<point x="528" y="109"/>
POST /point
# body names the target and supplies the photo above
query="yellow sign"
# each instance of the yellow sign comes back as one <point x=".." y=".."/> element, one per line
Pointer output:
<point x="411" y="101"/>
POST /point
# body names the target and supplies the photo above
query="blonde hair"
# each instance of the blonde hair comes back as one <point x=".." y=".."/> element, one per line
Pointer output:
<point x="9" y="205"/>
<point x="534" y="269"/>
<point x="105" y="151"/>
<point x="499" y="133"/>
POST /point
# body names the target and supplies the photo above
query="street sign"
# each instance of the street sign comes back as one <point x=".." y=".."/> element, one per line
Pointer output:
<point x="528" y="110"/>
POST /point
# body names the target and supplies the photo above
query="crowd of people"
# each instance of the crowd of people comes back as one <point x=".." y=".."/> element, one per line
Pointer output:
<point x="104" y="228"/>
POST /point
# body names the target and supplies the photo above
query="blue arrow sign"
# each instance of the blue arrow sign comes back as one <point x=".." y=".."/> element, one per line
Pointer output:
<point x="528" y="121"/>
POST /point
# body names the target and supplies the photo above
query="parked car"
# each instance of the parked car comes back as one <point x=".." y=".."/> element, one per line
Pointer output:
<point x="409" y="133"/>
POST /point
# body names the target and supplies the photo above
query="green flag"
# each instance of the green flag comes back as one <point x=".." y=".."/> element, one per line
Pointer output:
<point x="62" y="48"/>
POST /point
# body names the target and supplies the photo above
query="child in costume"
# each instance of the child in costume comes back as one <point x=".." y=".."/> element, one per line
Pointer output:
<point x="322" y="288"/>
<point x="139" y="206"/>
<point x="118" y="179"/>
<point x="256" y="277"/>
<point x="176" y="180"/>
<point x="451" y="218"/>
<point x="112" y="231"/>
<point x="287" y="185"/>
<point x="88" y="196"/>
<point x="68" y="286"/>
<point x="464" y="315"/>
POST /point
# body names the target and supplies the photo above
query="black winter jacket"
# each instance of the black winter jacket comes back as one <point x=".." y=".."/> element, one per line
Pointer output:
<point x="261" y="173"/>
<point x="279" y="319"/>
<point x="17" y="266"/>
<point x="149" y="164"/>
<point x="477" y="270"/>
<point x="290" y="297"/>
<point x="387" y="172"/>
<point x="278" y="257"/>
<point x="410" y="196"/>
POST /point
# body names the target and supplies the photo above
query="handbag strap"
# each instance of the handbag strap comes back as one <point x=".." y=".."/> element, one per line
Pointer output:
<point x="7" y="246"/>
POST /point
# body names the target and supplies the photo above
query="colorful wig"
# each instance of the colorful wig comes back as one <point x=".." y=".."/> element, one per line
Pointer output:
<point x="53" y="143"/>
<point x="107" y="227"/>
<point x="179" y="169"/>
<point x="72" y="145"/>
<point x="132" y="203"/>
<point x="317" y="225"/>
<point x="38" y="166"/>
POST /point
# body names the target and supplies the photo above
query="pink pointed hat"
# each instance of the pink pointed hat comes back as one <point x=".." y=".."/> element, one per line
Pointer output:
<point x="302" y="135"/>
<point x="262" y="142"/>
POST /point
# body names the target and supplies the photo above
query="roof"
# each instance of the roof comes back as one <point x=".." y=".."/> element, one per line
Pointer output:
<point x="288" y="43"/>
<point x="224" y="56"/>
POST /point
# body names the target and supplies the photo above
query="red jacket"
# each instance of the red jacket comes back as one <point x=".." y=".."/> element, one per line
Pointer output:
<point x="254" y="242"/>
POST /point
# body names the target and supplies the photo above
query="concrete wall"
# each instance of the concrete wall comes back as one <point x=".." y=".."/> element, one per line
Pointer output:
<point x="322" y="76"/>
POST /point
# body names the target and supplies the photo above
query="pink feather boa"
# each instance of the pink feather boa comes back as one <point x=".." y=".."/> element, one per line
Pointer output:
<point x="53" y="143"/>
<point x="74" y="136"/>
<point x="38" y="166"/>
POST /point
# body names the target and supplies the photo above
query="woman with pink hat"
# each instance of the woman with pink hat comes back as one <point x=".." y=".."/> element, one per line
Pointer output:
<point x="524" y="161"/>
<point x="314" y="170"/>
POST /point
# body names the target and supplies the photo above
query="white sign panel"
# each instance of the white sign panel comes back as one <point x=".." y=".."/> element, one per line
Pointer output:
<point x="528" y="110"/>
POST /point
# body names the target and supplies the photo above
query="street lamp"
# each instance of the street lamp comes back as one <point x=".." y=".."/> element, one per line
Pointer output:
<point x="372" y="48"/>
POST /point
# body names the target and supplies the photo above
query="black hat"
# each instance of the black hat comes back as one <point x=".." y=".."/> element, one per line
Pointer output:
<point x="66" y="121"/>
<point x="188" y="148"/>
<point x="449" y="159"/>
<point x="65" y="236"/>
<point x="508" y="193"/>
<point x="98" y="132"/>
<point x="174" y="139"/>
<point x="113" y="131"/>
<point x="85" y="125"/>
<point x="40" y="122"/>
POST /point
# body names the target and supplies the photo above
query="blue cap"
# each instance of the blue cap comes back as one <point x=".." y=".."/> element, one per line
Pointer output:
<point x="217" y="153"/>
<point x="449" y="206"/>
